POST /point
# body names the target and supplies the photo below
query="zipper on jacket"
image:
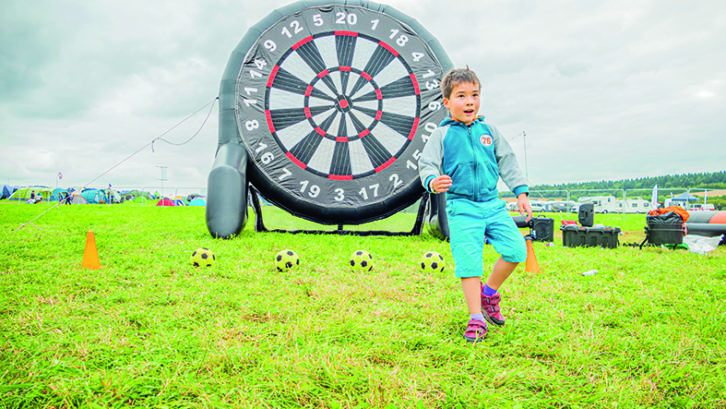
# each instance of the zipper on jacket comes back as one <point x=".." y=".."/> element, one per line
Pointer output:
<point x="474" y="155"/>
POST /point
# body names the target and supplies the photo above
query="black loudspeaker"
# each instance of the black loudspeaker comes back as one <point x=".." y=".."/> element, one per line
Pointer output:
<point x="543" y="228"/>
<point x="586" y="215"/>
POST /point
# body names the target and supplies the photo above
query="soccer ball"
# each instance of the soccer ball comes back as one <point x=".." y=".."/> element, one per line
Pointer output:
<point x="286" y="259"/>
<point x="202" y="257"/>
<point x="361" y="260"/>
<point x="432" y="261"/>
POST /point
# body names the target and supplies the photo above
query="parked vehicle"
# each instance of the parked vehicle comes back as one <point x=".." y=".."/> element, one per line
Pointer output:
<point x="609" y="204"/>
<point x="536" y="206"/>
<point x="703" y="206"/>
<point x="637" y="205"/>
<point x="561" y="206"/>
<point x="602" y="204"/>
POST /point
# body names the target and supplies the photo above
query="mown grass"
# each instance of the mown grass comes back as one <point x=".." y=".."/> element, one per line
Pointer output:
<point x="150" y="330"/>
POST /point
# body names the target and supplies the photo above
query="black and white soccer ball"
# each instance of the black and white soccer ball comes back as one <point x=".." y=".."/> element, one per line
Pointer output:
<point x="432" y="262"/>
<point x="202" y="257"/>
<point x="361" y="260"/>
<point x="286" y="259"/>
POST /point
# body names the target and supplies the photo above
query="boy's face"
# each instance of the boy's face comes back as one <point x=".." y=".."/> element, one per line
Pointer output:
<point x="463" y="103"/>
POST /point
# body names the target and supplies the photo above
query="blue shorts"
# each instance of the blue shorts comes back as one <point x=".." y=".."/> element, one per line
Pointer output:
<point x="470" y="222"/>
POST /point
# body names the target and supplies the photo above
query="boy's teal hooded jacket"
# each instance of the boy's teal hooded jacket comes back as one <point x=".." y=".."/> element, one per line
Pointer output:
<point x="475" y="156"/>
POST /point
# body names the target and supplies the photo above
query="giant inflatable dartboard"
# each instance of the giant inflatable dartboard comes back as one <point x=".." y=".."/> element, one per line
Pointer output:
<point x="334" y="102"/>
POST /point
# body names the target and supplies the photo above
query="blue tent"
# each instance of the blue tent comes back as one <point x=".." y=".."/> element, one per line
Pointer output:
<point x="94" y="196"/>
<point x="58" y="194"/>
<point x="199" y="201"/>
<point x="6" y="191"/>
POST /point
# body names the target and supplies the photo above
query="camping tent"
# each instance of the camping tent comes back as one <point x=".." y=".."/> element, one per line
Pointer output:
<point x="199" y="201"/>
<point x="58" y="194"/>
<point x="180" y="201"/>
<point x="94" y="196"/>
<point x="166" y="202"/>
<point x="142" y="200"/>
<point x="24" y="193"/>
<point x="77" y="198"/>
<point x="114" y="197"/>
<point x="135" y="194"/>
<point x="6" y="191"/>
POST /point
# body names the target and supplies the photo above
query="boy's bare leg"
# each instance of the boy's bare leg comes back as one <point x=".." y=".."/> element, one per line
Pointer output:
<point x="501" y="271"/>
<point x="472" y="293"/>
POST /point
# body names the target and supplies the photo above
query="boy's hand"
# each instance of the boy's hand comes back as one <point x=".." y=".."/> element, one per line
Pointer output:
<point x="524" y="206"/>
<point x="440" y="184"/>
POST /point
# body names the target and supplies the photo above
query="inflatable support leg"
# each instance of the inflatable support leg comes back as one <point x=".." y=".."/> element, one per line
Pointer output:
<point x="227" y="192"/>
<point x="437" y="222"/>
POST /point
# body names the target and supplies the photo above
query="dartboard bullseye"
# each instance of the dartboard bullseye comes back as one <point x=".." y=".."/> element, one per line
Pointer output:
<point x="334" y="105"/>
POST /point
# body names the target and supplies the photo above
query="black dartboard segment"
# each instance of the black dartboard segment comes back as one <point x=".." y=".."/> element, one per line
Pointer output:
<point x="334" y="105"/>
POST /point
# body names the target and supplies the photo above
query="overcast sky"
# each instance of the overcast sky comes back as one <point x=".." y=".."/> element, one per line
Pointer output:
<point x="603" y="90"/>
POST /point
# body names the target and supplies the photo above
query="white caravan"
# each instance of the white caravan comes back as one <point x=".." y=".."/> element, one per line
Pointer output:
<point x="609" y="204"/>
<point x="602" y="204"/>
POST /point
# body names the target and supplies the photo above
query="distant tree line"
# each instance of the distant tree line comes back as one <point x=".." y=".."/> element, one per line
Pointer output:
<point x="687" y="181"/>
<point x="695" y="181"/>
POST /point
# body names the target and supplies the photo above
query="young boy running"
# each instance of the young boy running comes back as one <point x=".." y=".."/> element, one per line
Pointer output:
<point x="465" y="158"/>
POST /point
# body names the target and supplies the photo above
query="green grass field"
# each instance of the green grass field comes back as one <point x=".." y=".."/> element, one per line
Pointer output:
<point x="149" y="330"/>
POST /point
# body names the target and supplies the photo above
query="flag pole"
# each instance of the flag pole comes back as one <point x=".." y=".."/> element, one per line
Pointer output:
<point x="526" y="168"/>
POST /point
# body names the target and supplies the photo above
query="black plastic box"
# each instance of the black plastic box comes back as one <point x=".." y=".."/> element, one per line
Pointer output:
<point x="573" y="236"/>
<point x="664" y="229"/>
<point x="579" y="236"/>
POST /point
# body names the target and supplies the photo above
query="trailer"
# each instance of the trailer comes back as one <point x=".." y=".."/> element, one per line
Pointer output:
<point x="609" y="204"/>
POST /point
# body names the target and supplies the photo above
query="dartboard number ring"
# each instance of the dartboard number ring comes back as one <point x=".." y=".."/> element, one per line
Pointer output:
<point x="335" y="104"/>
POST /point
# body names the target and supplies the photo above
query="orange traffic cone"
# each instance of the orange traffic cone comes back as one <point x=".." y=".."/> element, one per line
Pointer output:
<point x="90" y="254"/>
<point x="531" y="265"/>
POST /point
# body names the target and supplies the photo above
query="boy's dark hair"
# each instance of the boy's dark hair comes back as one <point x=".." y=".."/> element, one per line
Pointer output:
<point x="455" y="77"/>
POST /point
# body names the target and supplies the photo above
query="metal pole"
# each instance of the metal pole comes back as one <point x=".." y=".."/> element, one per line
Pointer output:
<point x="162" y="168"/>
<point x="526" y="168"/>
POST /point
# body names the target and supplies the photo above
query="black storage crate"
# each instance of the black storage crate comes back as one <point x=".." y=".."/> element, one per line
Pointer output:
<point x="578" y="236"/>
<point x="664" y="229"/>
<point x="573" y="236"/>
